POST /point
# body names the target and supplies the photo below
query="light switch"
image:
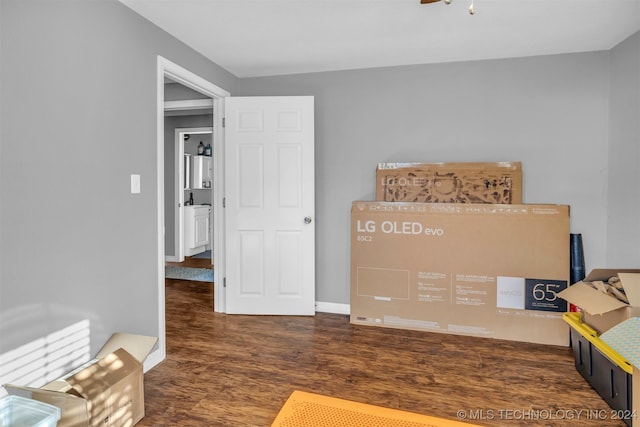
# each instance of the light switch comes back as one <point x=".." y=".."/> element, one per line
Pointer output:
<point x="135" y="183"/>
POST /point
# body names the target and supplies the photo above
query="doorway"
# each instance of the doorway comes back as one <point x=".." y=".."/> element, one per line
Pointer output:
<point x="169" y="71"/>
<point x="287" y="193"/>
<point x="189" y="207"/>
<point x="190" y="167"/>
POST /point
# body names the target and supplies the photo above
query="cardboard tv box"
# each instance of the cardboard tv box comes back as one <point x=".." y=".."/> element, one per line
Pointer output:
<point x="470" y="269"/>
<point x="603" y="311"/>
<point x="106" y="391"/>
<point x="498" y="182"/>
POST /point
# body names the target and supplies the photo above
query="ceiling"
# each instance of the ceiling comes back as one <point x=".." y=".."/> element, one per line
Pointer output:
<point x="271" y="37"/>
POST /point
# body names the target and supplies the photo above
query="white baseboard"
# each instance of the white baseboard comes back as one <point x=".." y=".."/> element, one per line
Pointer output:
<point x="157" y="356"/>
<point x="171" y="258"/>
<point x="332" y="307"/>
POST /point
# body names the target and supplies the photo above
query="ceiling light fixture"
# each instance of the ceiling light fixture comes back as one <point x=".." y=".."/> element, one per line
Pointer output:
<point x="472" y="9"/>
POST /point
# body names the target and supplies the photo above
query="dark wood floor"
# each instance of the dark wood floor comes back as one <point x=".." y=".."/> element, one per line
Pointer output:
<point x="232" y="370"/>
<point x="193" y="262"/>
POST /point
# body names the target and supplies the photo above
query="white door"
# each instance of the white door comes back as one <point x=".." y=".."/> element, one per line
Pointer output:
<point x="269" y="213"/>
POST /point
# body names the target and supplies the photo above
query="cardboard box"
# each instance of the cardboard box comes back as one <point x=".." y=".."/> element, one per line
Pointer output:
<point x="602" y="311"/>
<point x="499" y="183"/>
<point x="470" y="269"/>
<point x="106" y="391"/>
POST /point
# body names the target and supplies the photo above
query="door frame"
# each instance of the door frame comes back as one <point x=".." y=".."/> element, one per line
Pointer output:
<point x="178" y="179"/>
<point x="173" y="71"/>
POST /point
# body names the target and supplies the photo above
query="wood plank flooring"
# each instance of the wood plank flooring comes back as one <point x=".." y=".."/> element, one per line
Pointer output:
<point x="232" y="370"/>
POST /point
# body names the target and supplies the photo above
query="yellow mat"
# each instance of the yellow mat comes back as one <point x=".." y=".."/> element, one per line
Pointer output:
<point x="313" y="410"/>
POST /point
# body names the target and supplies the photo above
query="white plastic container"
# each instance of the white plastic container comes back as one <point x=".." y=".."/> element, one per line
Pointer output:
<point x="16" y="411"/>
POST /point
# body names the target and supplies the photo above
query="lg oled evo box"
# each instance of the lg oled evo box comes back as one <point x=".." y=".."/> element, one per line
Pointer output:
<point x="497" y="182"/>
<point x="470" y="269"/>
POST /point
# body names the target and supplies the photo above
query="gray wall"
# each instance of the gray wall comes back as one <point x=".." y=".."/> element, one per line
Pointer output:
<point x="177" y="92"/>
<point x="549" y="112"/>
<point x="623" y="225"/>
<point x="78" y="111"/>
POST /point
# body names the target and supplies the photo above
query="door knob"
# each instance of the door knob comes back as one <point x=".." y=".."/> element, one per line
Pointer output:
<point x="307" y="220"/>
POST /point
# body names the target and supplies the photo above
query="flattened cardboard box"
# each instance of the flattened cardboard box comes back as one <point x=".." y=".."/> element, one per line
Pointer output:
<point x="602" y="311"/>
<point x="106" y="391"/>
<point x="469" y="269"/>
<point x="499" y="182"/>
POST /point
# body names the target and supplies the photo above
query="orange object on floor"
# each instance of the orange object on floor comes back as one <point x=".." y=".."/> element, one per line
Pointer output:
<point x="304" y="409"/>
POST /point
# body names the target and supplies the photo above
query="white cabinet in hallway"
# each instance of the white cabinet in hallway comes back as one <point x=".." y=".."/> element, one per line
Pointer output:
<point x="196" y="229"/>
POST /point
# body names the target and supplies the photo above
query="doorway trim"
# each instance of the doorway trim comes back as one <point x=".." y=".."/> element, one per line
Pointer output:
<point x="173" y="71"/>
